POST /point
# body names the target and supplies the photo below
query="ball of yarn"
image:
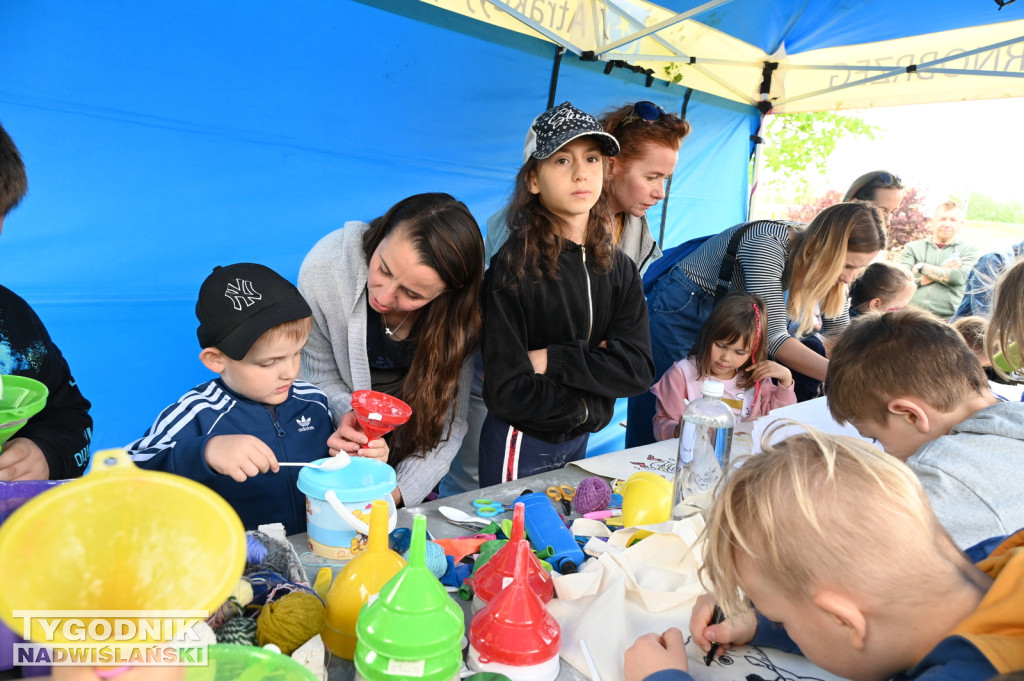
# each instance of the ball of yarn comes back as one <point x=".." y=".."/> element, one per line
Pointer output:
<point x="228" y="610"/>
<point x="592" y="494"/>
<point x="242" y="592"/>
<point x="436" y="562"/>
<point x="278" y="555"/>
<point x="263" y="583"/>
<point x="255" y="551"/>
<point x="399" y="540"/>
<point x="290" y="621"/>
<point x="238" y="631"/>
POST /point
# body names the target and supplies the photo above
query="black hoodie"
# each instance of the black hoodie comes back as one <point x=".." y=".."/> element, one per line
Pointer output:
<point x="63" y="429"/>
<point x="569" y="316"/>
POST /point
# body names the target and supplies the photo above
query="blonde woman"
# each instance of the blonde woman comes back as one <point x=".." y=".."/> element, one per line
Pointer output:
<point x="791" y="267"/>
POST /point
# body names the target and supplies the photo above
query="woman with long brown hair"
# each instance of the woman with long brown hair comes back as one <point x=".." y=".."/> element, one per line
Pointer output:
<point x="396" y="308"/>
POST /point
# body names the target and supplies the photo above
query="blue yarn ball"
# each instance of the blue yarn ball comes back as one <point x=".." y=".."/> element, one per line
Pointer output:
<point x="436" y="561"/>
<point x="255" y="551"/>
<point x="399" y="540"/>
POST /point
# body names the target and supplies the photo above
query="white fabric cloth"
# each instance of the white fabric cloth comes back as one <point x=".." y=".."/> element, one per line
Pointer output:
<point x="650" y="586"/>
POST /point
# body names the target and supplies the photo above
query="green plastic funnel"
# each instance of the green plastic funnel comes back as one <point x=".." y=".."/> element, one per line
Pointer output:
<point x="414" y="628"/>
<point x="22" y="399"/>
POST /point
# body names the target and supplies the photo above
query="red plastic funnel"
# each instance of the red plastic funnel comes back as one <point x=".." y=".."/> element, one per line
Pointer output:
<point x="379" y="413"/>
<point x="498" y="572"/>
<point x="515" y="628"/>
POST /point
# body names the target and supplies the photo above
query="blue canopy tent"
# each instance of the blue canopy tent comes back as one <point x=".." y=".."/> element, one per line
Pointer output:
<point x="164" y="139"/>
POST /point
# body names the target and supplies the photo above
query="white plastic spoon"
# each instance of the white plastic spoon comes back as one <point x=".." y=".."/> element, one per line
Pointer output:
<point x="332" y="464"/>
<point x="457" y="517"/>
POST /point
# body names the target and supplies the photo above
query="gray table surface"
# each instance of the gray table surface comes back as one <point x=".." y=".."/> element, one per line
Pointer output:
<point x="437" y="526"/>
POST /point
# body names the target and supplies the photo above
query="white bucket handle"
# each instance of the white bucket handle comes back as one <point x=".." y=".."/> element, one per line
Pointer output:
<point x="357" y="524"/>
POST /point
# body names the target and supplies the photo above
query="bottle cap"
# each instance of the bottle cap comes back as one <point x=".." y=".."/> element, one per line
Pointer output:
<point x="712" y="389"/>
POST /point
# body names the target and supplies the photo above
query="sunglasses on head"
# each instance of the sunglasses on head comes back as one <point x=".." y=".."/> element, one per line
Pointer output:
<point x="643" y="111"/>
<point x="890" y="180"/>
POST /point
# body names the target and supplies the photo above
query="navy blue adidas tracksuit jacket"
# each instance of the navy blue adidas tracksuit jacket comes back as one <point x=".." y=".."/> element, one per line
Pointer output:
<point x="296" y="430"/>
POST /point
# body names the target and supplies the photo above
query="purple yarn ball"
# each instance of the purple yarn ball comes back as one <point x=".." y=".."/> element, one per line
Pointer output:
<point x="592" y="494"/>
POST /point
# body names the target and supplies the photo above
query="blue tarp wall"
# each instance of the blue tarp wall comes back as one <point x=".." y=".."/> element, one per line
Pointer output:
<point x="162" y="139"/>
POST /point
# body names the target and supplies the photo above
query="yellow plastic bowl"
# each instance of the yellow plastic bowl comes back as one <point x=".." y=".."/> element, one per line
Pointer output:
<point x="120" y="538"/>
<point x="646" y="499"/>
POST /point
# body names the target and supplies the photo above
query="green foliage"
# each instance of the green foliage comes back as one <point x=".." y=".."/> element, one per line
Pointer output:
<point x="981" y="207"/>
<point x="797" y="144"/>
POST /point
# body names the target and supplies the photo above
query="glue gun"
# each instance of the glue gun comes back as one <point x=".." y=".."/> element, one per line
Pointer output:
<point x="544" y="527"/>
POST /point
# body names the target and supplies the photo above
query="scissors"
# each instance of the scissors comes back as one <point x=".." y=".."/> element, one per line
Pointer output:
<point x="485" y="508"/>
<point x="563" y="493"/>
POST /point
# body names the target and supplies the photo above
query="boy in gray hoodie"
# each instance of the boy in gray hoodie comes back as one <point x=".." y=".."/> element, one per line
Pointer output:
<point x="910" y="382"/>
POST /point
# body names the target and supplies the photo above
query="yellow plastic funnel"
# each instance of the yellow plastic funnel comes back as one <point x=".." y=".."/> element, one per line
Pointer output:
<point x="123" y="539"/>
<point x="361" y="578"/>
<point x="646" y="499"/>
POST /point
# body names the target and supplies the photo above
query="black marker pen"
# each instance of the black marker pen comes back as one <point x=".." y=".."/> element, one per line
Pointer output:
<point x="717" y="617"/>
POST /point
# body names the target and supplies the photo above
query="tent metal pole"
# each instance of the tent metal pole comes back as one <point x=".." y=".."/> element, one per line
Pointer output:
<point x="539" y="28"/>
<point x="628" y="18"/>
<point x="923" y="67"/>
<point x="758" y="160"/>
<point x="554" y="75"/>
<point x="668" y="181"/>
<point x="765" y="107"/>
<point x="671" y="21"/>
<point x="696" y="64"/>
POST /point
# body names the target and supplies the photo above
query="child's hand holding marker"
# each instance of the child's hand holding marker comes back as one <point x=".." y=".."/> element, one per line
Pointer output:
<point x="713" y="633"/>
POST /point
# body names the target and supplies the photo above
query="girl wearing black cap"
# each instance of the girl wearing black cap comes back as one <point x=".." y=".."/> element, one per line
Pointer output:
<point x="565" y="323"/>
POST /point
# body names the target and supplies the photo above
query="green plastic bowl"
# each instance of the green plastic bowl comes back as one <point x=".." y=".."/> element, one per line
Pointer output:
<point x="23" y="398"/>
<point x="248" y="663"/>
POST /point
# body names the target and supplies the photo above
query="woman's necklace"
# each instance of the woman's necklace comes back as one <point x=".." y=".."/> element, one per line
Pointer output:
<point x="388" y="330"/>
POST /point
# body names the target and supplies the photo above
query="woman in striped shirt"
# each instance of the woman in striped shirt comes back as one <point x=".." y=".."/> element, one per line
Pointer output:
<point x="792" y="267"/>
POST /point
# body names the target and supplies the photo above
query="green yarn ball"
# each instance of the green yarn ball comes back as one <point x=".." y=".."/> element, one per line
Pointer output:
<point x="238" y="631"/>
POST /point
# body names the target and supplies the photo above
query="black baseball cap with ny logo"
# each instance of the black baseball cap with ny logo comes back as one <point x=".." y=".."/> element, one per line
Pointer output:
<point x="239" y="303"/>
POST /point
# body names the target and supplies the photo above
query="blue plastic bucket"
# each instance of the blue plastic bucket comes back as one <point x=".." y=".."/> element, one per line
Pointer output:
<point x="338" y="528"/>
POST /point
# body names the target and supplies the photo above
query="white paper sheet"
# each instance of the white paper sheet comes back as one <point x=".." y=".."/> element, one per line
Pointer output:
<point x="812" y="413"/>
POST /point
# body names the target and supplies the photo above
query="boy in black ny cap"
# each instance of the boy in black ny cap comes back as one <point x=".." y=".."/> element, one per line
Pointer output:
<point x="231" y="432"/>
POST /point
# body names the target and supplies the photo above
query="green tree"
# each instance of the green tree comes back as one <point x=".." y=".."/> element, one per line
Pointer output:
<point x="798" y="144"/>
<point x="982" y="207"/>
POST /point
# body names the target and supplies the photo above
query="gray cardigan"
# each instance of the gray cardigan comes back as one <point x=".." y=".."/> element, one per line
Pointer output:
<point x="333" y="280"/>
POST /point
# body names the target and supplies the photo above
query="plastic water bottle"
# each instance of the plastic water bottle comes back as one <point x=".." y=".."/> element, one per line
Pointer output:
<point x="705" y="446"/>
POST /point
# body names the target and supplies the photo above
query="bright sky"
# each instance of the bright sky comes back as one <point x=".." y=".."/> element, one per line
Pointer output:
<point x="958" y="147"/>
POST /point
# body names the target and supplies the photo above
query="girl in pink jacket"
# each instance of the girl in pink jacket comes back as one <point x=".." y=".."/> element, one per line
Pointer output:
<point x="730" y="349"/>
